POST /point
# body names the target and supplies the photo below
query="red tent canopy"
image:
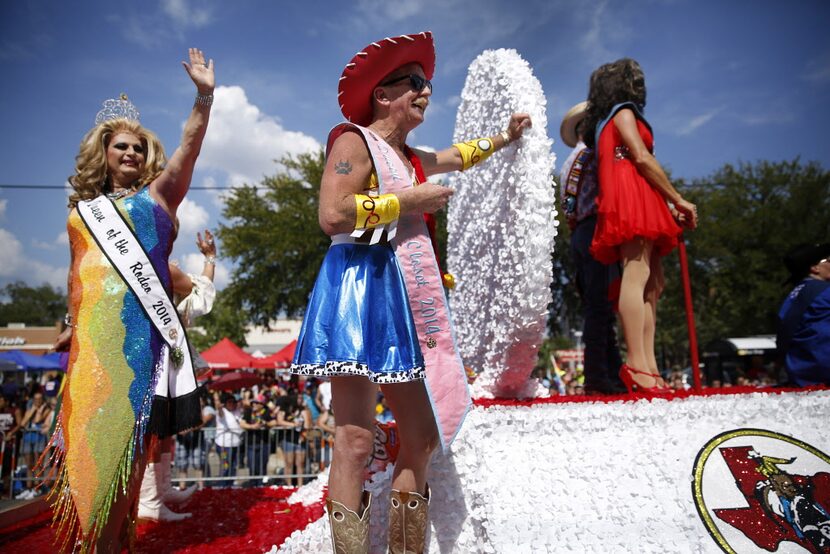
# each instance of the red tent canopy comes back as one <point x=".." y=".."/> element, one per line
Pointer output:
<point x="226" y="355"/>
<point x="280" y="359"/>
<point x="235" y="380"/>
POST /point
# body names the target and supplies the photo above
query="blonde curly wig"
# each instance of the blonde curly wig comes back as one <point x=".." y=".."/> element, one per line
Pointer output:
<point x="90" y="179"/>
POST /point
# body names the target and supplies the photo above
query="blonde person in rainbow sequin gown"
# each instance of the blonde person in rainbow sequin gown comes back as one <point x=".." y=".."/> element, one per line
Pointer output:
<point x="111" y="405"/>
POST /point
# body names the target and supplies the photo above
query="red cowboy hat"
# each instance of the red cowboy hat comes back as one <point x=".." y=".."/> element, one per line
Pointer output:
<point x="369" y="66"/>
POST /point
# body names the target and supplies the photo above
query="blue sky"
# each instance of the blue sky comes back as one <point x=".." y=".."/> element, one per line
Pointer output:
<point x="728" y="81"/>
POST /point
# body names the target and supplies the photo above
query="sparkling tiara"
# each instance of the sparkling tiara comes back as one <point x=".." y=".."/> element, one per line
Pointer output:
<point x="117" y="108"/>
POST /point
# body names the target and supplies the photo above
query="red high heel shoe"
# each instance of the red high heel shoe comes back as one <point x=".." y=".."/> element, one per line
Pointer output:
<point x="658" y="389"/>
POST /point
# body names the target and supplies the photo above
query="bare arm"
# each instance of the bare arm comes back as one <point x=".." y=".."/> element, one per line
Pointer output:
<point x="648" y="166"/>
<point x="282" y="422"/>
<point x="170" y="187"/>
<point x="249" y="426"/>
<point x="449" y="159"/>
<point x="27" y="419"/>
<point x="18" y="423"/>
<point x="307" y="421"/>
<point x="347" y="172"/>
<point x="64" y="340"/>
<point x="182" y="285"/>
<point x="46" y="419"/>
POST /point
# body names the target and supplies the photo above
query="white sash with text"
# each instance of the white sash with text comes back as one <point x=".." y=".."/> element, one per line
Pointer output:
<point x="120" y="245"/>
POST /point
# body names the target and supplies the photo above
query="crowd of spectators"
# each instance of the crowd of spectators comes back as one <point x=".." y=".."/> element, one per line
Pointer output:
<point x="279" y="431"/>
<point x="27" y="416"/>
<point x="568" y="380"/>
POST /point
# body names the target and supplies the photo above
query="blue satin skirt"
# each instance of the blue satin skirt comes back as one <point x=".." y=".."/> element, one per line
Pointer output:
<point x="358" y="320"/>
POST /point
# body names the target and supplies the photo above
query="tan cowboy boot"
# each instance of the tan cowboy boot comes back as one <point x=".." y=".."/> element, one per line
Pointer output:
<point x="349" y="532"/>
<point x="408" y="516"/>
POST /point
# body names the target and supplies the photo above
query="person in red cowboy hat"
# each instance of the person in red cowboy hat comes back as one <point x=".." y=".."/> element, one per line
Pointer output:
<point x="359" y="326"/>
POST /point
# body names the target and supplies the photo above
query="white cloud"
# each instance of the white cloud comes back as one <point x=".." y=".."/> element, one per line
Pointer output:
<point x="41" y="245"/>
<point x="218" y="196"/>
<point x="185" y="14"/>
<point x="152" y="29"/>
<point x="608" y="28"/>
<point x="27" y="49"/>
<point x="768" y="118"/>
<point x="11" y="253"/>
<point x="62" y="239"/>
<point x="144" y="31"/>
<point x="243" y="142"/>
<point x="3" y="203"/>
<point x="16" y="265"/>
<point x="488" y="25"/>
<point x="696" y="122"/>
<point x="818" y="69"/>
<point x="195" y="263"/>
<point x="593" y="40"/>
<point x="192" y="218"/>
<point x="393" y="11"/>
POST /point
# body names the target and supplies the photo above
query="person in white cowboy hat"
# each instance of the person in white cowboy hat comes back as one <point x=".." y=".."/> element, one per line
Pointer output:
<point x="360" y="328"/>
<point x="579" y="186"/>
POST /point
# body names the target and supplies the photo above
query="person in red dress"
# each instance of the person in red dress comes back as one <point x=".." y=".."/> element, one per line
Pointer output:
<point x="640" y="213"/>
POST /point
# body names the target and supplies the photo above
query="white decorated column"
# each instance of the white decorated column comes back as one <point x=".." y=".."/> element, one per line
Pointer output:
<point x="502" y="224"/>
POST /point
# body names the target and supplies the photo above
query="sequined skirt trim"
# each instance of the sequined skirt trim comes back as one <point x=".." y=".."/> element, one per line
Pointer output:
<point x="339" y="369"/>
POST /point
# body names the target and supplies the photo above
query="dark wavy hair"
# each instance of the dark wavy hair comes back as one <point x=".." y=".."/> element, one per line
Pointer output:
<point x="612" y="84"/>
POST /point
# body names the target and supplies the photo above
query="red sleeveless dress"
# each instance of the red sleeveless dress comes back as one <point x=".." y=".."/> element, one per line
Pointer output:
<point x="627" y="205"/>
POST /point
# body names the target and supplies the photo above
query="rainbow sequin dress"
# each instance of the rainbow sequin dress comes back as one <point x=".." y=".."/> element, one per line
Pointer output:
<point x="113" y="364"/>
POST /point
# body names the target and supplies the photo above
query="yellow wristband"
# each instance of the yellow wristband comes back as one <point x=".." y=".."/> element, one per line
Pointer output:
<point x="473" y="151"/>
<point x="376" y="210"/>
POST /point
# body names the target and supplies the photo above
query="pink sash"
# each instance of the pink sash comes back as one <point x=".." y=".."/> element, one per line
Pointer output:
<point x="446" y="380"/>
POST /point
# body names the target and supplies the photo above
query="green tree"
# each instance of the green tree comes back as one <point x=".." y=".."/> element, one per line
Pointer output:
<point x="275" y="241"/>
<point x="750" y="215"/>
<point x="548" y="347"/>
<point x="36" y="306"/>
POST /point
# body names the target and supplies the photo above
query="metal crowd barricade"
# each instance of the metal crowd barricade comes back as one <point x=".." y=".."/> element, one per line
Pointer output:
<point x="21" y="475"/>
<point x="198" y="459"/>
<point x="261" y="458"/>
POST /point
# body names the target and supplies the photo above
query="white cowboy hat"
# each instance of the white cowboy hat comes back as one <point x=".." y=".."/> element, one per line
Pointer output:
<point x="572" y="118"/>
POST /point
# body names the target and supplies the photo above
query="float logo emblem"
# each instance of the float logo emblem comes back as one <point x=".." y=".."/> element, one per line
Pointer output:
<point x="756" y="489"/>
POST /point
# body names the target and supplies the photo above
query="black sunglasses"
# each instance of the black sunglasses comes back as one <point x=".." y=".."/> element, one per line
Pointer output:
<point x="415" y="81"/>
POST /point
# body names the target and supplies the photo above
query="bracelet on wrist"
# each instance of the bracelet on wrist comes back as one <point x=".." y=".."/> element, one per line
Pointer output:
<point x="210" y="260"/>
<point x="67" y="320"/>
<point x="505" y="136"/>
<point x="204" y="99"/>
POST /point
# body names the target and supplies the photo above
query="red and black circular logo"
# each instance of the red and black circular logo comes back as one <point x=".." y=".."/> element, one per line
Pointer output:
<point x="756" y="489"/>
